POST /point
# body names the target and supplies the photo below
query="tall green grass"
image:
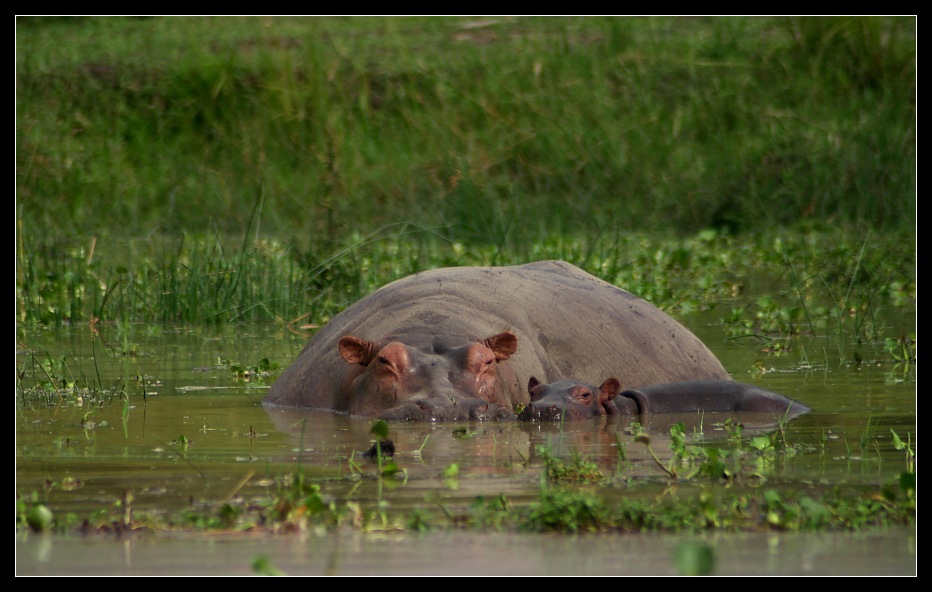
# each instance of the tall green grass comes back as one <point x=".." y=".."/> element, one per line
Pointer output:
<point x="226" y="169"/>
<point x="491" y="130"/>
<point x="787" y="283"/>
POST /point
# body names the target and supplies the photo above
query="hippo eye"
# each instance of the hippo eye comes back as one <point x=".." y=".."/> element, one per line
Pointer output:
<point x="582" y="395"/>
<point x="383" y="360"/>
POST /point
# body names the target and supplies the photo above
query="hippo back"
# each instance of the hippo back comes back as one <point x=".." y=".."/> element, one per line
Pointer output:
<point x="568" y="323"/>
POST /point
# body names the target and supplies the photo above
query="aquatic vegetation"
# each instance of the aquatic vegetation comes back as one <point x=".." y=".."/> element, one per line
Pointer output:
<point x="577" y="469"/>
<point x="715" y="492"/>
<point x="694" y="558"/>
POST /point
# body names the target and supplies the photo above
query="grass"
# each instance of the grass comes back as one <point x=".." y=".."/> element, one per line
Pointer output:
<point x="310" y="129"/>
<point x="226" y="169"/>
<point x="812" y="282"/>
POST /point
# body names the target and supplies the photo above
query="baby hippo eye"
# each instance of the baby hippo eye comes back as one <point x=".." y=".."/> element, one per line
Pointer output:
<point x="582" y="394"/>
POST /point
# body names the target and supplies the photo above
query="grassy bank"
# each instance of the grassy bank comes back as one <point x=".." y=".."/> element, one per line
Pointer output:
<point x="230" y="169"/>
<point x="490" y="130"/>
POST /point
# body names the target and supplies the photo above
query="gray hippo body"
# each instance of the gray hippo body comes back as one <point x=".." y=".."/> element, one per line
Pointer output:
<point x="571" y="399"/>
<point x="461" y="342"/>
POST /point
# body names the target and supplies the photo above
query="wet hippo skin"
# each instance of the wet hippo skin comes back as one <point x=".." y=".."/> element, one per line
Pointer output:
<point x="462" y="342"/>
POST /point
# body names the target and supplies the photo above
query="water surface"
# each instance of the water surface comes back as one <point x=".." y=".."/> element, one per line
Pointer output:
<point x="195" y="435"/>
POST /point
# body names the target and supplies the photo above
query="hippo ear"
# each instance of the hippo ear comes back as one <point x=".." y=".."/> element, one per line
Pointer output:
<point x="504" y="345"/>
<point x="533" y="388"/>
<point x="357" y="351"/>
<point x="609" y="390"/>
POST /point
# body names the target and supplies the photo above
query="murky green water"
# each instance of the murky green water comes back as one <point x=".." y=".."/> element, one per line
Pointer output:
<point x="94" y="451"/>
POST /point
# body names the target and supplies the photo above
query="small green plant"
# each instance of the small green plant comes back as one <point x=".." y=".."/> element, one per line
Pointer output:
<point x="734" y="430"/>
<point x="907" y="448"/>
<point x="634" y="428"/>
<point x="669" y="469"/>
<point x="263" y="566"/>
<point x="578" y="469"/>
<point x="568" y="511"/>
<point x="451" y="476"/>
<point x="694" y="558"/>
<point x="386" y="468"/>
<point x="32" y="513"/>
<point x="254" y="373"/>
<point x="621" y="449"/>
<point x="902" y="349"/>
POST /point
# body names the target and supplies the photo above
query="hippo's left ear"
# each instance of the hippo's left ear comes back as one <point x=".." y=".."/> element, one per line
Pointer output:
<point x="504" y="345"/>
<point x="357" y="351"/>
<point x="609" y="390"/>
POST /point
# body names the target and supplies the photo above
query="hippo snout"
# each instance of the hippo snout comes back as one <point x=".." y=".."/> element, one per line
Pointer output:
<point x="541" y="413"/>
<point x="446" y="409"/>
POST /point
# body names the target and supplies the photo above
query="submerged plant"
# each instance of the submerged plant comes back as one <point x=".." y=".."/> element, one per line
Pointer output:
<point x="578" y="469"/>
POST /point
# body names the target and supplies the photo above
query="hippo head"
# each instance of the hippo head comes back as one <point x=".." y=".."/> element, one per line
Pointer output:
<point x="570" y="399"/>
<point x="430" y="378"/>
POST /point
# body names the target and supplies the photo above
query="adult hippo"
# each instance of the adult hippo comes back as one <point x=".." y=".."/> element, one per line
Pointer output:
<point x="571" y="399"/>
<point x="461" y="342"/>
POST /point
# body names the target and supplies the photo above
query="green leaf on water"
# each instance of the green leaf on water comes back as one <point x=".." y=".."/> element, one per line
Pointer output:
<point x="694" y="559"/>
<point x="897" y="443"/>
<point x="263" y="566"/>
<point x="40" y="518"/>
<point x="759" y="442"/>
<point x="380" y="429"/>
<point x="389" y="469"/>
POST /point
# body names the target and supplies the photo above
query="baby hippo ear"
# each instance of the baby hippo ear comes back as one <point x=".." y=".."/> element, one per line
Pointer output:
<point x="533" y="387"/>
<point x="609" y="390"/>
<point x="357" y="351"/>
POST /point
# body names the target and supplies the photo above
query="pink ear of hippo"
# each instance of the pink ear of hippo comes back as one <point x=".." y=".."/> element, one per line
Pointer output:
<point x="357" y="351"/>
<point x="609" y="390"/>
<point x="504" y="345"/>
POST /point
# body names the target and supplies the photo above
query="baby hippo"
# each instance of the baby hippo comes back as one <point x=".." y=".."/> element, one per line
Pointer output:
<point x="571" y="399"/>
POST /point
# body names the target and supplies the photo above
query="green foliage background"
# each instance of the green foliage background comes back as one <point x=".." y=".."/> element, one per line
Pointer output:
<point x="190" y="168"/>
<point x="482" y="126"/>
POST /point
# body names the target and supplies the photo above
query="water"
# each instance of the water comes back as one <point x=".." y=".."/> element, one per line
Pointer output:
<point x="199" y="436"/>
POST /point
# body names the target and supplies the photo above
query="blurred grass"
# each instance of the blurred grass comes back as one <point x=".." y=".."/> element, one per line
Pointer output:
<point x="492" y="129"/>
<point x="187" y="169"/>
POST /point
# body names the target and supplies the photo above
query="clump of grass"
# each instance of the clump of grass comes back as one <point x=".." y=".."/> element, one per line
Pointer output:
<point x="568" y="511"/>
<point x="577" y="469"/>
<point x="209" y="280"/>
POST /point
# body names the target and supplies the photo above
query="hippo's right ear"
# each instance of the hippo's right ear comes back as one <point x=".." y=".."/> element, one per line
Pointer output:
<point x="504" y="345"/>
<point x="609" y="390"/>
<point x="532" y="388"/>
<point x="357" y="351"/>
